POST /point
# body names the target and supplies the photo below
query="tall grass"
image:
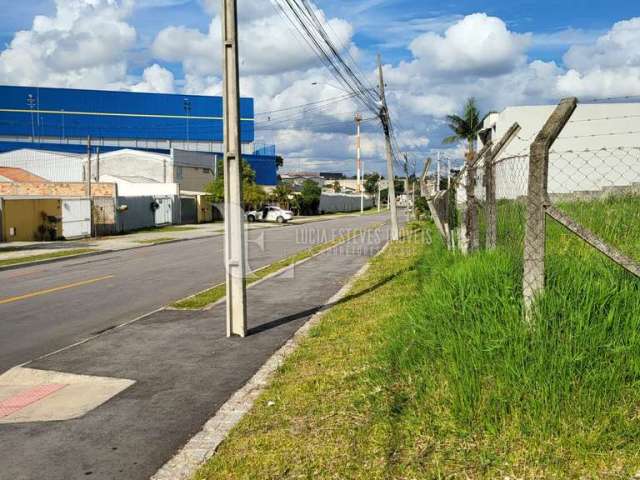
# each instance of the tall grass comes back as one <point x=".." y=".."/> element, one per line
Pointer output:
<point x="476" y="390"/>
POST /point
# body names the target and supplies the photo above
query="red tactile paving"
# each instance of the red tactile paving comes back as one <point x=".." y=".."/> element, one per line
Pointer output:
<point x="26" y="398"/>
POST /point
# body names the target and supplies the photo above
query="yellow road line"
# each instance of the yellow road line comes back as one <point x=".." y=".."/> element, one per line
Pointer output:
<point x="53" y="290"/>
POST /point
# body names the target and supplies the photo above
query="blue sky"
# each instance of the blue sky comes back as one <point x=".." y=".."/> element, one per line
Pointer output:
<point x="579" y="19"/>
<point x="436" y="55"/>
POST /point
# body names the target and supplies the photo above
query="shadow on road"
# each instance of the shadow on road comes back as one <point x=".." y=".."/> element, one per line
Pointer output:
<point x="311" y="311"/>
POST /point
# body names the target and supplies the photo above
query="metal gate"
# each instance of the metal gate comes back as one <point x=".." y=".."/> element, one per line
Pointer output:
<point x="163" y="212"/>
<point x="76" y="218"/>
<point x="189" y="210"/>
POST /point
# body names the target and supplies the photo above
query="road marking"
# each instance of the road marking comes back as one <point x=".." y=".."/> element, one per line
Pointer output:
<point x="53" y="290"/>
<point x="27" y="397"/>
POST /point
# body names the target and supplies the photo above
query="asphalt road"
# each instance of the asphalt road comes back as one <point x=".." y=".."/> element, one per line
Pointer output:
<point x="48" y="307"/>
<point x="184" y="368"/>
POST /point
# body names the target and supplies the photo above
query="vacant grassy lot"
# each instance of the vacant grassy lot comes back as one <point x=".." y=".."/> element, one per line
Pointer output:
<point x="430" y="372"/>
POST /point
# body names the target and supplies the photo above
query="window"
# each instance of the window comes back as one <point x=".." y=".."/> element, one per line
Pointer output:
<point x="179" y="173"/>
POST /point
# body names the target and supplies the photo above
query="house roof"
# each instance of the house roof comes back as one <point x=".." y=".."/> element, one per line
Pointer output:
<point x="130" y="152"/>
<point x="128" y="178"/>
<point x="19" y="175"/>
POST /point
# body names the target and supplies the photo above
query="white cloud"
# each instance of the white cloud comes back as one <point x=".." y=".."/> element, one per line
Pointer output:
<point x="609" y="67"/>
<point x="477" y="45"/>
<point x="617" y="48"/>
<point x="156" y="79"/>
<point x="267" y="45"/>
<point x="82" y="45"/>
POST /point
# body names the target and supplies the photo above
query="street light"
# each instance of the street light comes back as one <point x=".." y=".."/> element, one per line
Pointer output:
<point x="32" y="103"/>
<point x="187" y="109"/>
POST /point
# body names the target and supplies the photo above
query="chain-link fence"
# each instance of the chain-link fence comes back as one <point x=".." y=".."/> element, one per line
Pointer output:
<point x="543" y="204"/>
<point x="600" y="189"/>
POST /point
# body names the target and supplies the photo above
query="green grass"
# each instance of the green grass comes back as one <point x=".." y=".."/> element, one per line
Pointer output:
<point x="203" y="299"/>
<point x="155" y="241"/>
<point x="315" y="419"/>
<point x="45" y="256"/>
<point x="429" y="371"/>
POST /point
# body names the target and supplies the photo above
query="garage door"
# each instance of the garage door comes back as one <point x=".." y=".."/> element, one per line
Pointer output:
<point x="76" y="218"/>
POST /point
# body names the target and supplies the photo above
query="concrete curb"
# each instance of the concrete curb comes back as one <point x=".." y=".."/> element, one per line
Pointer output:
<point x="54" y="260"/>
<point x="204" y="444"/>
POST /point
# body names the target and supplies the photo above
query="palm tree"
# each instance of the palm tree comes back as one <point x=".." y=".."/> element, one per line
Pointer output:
<point x="466" y="127"/>
<point x="281" y="194"/>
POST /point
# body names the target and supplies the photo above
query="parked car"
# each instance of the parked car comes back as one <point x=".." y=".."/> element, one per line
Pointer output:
<point x="270" y="213"/>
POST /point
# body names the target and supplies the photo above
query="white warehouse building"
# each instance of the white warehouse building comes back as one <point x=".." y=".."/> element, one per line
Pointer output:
<point x="597" y="152"/>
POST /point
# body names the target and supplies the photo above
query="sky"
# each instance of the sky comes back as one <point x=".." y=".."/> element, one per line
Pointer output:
<point x="435" y="55"/>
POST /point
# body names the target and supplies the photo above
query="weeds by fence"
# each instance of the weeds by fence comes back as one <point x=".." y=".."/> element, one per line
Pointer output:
<point x="590" y="194"/>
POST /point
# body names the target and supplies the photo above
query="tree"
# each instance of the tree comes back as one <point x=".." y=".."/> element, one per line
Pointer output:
<point x="279" y="161"/>
<point x="371" y="183"/>
<point x="466" y="127"/>
<point x="336" y="187"/>
<point x="399" y="185"/>
<point x="253" y="195"/>
<point x="282" y="195"/>
<point x="310" y="197"/>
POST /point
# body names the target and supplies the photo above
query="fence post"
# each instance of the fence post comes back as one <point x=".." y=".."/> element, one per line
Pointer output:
<point x="490" y="186"/>
<point x="472" y="221"/>
<point x="471" y="216"/>
<point x="537" y="200"/>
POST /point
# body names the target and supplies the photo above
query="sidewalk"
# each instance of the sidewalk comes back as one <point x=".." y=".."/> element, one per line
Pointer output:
<point x="184" y="369"/>
<point x="17" y="250"/>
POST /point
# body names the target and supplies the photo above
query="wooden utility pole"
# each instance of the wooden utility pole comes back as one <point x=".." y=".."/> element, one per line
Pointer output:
<point x="235" y="248"/>
<point x="384" y="118"/>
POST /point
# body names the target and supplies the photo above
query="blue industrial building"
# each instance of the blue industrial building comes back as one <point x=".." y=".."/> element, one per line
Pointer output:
<point x="63" y="120"/>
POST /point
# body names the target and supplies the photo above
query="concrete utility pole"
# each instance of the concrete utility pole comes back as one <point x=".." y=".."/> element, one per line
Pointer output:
<point x="89" y="160"/>
<point x="384" y="118"/>
<point x="358" y="161"/>
<point x="438" y="174"/>
<point x="362" y="190"/>
<point x="89" y="193"/>
<point x="378" y="194"/>
<point x="235" y="249"/>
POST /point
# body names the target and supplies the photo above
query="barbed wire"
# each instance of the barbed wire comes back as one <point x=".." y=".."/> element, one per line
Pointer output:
<point x="592" y="135"/>
<point x="597" y="119"/>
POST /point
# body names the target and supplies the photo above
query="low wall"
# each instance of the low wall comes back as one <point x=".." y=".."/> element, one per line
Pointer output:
<point x="139" y="213"/>
<point x="338" y="202"/>
<point x="57" y="189"/>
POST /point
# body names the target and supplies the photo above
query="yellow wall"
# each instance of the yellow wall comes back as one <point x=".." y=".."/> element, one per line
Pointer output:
<point x="25" y="216"/>
<point x="205" y="211"/>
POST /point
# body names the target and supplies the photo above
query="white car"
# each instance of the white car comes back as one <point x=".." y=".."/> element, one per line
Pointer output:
<point x="270" y="214"/>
